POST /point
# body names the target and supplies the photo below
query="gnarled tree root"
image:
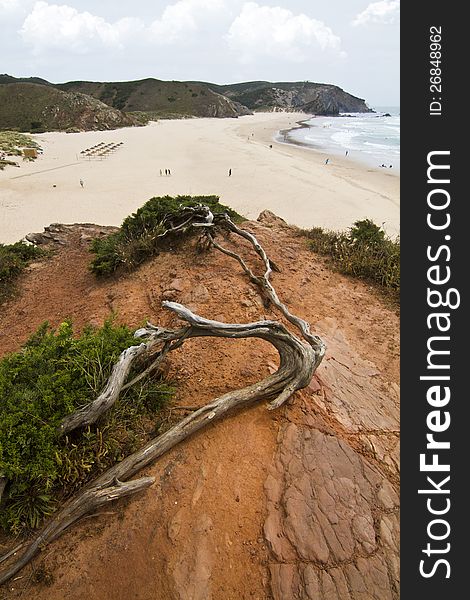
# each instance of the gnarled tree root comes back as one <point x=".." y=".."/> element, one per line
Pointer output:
<point x="298" y="362"/>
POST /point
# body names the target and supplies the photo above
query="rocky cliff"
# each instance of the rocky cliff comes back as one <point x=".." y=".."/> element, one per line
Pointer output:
<point x="308" y="97"/>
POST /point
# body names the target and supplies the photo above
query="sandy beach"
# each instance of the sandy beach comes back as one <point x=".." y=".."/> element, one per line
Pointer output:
<point x="291" y="181"/>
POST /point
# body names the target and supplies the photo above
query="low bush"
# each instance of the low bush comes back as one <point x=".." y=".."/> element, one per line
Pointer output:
<point x="363" y="251"/>
<point x="137" y="239"/>
<point x="13" y="260"/>
<point x="50" y="377"/>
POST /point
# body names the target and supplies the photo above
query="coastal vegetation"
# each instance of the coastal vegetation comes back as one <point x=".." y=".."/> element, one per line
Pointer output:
<point x="7" y="163"/>
<point x="14" y="258"/>
<point x="143" y="234"/>
<point x="364" y="251"/>
<point x="12" y="143"/>
<point x="53" y="374"/>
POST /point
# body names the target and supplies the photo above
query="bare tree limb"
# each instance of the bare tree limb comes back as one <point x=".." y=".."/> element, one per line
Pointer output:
<point x="265" y="285"/>
<point x="87" y="501"/>
<point x="298" y="362"/>
<point x="92" y="411"/>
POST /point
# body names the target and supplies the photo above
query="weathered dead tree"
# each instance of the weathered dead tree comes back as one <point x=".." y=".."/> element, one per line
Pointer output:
<point x="299" y="359"/>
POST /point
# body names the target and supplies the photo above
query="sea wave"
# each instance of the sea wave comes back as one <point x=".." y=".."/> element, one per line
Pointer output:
<point x="368" y="137"/>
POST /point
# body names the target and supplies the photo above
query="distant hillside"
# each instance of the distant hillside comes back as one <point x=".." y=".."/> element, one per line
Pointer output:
<point x="195" y="98"/>
<point x="34" y="104"/>
<point x="4" y="78"/>
<point x="34" y="107"/>
<point x="305" y="96"/>
<point x="160" y="98"/>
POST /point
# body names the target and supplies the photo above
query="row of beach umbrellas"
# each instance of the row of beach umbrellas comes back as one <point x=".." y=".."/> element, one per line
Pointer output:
<point x="100" y="150"/>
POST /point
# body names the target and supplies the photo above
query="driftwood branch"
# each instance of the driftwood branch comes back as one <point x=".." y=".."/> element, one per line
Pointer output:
<point x="91" y="412"/>
<point x="299" y="359"/>
<point x="265" y="285"/>
<point x="297" y="364"/>
<point x="85" y="502"/>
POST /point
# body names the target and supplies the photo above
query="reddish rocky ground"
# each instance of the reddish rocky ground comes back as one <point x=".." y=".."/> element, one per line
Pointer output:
<point x="301" y="503"/>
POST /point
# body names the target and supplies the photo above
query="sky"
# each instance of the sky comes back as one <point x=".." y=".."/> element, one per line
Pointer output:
<point x="350" y="43"/>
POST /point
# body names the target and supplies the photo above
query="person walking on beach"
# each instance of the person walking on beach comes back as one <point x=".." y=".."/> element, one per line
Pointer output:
<point x="347" y="152"/>
<point x="327" y="161"/>
<point x="166" y="172"/>
<point x="229" y="172"/>
<point x="169" y="172"/>
<point x="82" y="182"/>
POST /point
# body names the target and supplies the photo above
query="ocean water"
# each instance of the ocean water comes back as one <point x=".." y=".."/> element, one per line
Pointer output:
<point x="370" y="138"/>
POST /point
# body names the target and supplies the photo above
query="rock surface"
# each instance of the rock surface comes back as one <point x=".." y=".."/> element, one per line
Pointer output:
<point x="302" y="96"/>
<point x="327" y="509"/>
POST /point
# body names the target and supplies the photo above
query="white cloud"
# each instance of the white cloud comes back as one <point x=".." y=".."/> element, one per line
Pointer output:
<point x="14" y="8"/>
<point x="276" y="32"/>
<point x="184" y="18"/>
<point x="62" y="26"/>
<point x="385" y="11"/>
<point x="7" y="5"/>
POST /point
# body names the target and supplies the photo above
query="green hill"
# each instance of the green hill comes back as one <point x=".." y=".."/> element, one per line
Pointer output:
<point x="4" y="78"/>
<point x="35" y="107"/>
<point x="160" y="98"/>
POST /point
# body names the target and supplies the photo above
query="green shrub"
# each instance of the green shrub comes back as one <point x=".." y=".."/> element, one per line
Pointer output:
<point x="55" y="373"/>
<point x="364" y="251"/>
<point x="137" y="239"/>
<point x="13" y="260"/>
<point x="37" y="127"/>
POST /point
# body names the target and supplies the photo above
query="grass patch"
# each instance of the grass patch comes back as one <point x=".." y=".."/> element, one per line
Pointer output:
<point x="12" y="143"/>
<point x="364" y="251"/>
<point x="137" y="239"/>
<point x="55" y="373"/>
<point x="141" y="117"/>
<point x="6" y="163"/>
<point x="14" y="258"/>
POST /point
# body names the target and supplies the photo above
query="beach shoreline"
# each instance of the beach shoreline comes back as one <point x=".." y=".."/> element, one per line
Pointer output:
<point x="287" y="136"/>
<point x="291" y="181"/>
